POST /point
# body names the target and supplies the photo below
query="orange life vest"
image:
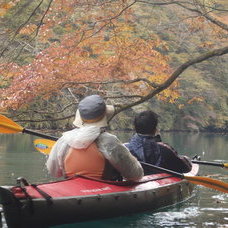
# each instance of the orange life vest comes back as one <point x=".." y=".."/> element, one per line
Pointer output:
<point x="89" y="162"/>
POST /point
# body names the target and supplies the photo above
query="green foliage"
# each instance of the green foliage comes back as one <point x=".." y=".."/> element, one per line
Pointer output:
<point x="18" y="15"/>
<point x="208" y="81"/>
<point x="59" y="30"/>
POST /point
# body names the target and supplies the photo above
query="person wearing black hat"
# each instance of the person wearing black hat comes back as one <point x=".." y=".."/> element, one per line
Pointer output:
<point x="147" y="147"/>
<point x="89" y="150"/>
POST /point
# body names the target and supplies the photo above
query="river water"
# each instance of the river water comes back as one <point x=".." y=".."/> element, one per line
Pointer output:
<point x="206" y="208"/>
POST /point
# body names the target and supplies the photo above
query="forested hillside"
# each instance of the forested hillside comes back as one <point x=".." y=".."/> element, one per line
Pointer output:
<point x="203" y="101"/>
<point x="167" y="56"/>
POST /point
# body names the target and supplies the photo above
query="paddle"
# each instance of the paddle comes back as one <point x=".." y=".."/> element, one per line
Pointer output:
<point x="205" y="181"/>
<point x="223" y="165"/>
<point x="44" y="146"/>
<point x="8" y="126"/>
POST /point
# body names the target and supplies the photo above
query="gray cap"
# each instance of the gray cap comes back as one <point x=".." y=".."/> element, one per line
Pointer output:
<point x="92" y="107"/>
<point x="92" y="110"/>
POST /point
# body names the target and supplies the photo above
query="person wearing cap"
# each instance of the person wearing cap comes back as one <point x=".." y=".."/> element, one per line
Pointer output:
<point x="89" y="150"/>
<point x="147" y="147"/>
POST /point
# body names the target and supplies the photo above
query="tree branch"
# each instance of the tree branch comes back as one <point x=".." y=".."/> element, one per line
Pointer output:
<point x="175" y="75"/>
<point x="21" y="26"/>
<point x="186" y="5"/>
<point x="151" y="84"/>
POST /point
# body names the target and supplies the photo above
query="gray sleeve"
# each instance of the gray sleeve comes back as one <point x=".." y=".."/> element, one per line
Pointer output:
<point x="119" y="156"/>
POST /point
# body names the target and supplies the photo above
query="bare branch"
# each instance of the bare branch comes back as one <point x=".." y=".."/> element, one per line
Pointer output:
<point x="46" y="119"/>
<point x="203" y="10"/>
<point x="22" y="26"/>
<point x="205" y="13"/>
<point x="175" y="75"/>
<point x="42" y="19"/>
<point x="151" y="84"/>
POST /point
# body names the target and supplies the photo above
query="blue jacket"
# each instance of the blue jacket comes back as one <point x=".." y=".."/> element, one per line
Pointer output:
<point x="149" y="150"/>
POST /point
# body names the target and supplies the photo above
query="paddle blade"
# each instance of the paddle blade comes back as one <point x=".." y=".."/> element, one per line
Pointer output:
<point x="44" y="145"/>
<point x="208" y="182"/>
<point x="8" y="126"/>
<point x="226" y="165"/>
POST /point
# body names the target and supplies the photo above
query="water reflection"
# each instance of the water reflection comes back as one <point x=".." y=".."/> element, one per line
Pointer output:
<point x="207" y="207"/>
<point x="19" y="158"/>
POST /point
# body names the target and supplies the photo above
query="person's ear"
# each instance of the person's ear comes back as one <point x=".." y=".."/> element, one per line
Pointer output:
<point x="157" y="131"/>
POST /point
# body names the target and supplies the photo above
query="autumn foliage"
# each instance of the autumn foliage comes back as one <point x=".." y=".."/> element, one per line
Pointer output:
<point x="92" y="44"/>
<point x="81" y="44"/>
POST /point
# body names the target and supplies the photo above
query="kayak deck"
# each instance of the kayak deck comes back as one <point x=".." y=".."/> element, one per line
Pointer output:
<point x="80" y="186"/>
<point x="82" y="199"/>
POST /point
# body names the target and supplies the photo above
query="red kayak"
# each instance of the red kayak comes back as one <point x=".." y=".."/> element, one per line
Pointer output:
<point x="82" y="199"/>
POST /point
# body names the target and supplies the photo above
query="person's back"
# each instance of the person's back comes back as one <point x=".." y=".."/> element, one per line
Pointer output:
<point x="86" y="150"/>
<point x="147" y="147"/>
<point x="87" y="162"/>
<point x="105" y="158"/>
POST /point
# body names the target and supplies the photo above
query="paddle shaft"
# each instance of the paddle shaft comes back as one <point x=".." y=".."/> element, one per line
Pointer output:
<point x="204" y="181"/>
<point x="39" y="134"/>
<point x="180" y="175"/>
<point x="208" y="163"/>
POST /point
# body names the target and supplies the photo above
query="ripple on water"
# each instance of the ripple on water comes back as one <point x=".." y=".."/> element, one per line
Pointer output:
<point x="221" y="198"/>
<point x="177" y="218"/>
